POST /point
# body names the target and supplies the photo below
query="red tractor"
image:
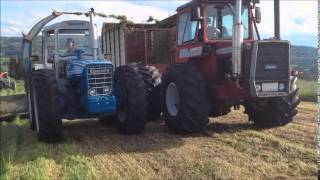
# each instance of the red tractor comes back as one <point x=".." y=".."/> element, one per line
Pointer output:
<point x="216" y="61"/>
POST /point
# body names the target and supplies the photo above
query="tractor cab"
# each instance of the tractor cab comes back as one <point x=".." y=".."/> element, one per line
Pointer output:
<point x="67" y="40"/>
<point x="68" y="50"/>
<point x="210" y="21"/>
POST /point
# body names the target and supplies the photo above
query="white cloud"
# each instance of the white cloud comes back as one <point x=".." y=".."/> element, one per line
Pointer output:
<point x="297" y="17"/>
<point x="20" y="23"/>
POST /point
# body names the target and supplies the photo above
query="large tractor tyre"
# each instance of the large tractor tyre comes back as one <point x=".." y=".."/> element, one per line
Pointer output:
<point x="32" y="120"/>
<point x="46" y="106"/>
<point x="131" y="100"/>
<point x="185" y="101"/>
<point x="152" y="80"/>
<point x="108" y="120"/>
<point x="274" y="112"/>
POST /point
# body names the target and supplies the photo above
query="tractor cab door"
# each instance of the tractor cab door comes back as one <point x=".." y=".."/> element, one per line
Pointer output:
<point x="189" y="37"/>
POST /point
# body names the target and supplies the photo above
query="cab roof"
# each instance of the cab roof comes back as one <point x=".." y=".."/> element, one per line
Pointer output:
<point x="195" y="2"/>
<point x="71" y="24"/>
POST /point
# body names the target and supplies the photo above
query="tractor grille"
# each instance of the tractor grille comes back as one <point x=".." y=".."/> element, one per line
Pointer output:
<point x="270" y="68"/>
<point x="100" y="79"/>
<point x="272" y="61"/>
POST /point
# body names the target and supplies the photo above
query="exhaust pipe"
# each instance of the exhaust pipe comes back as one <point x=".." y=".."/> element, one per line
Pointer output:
<point x="94" y="36"/>
<point x="237" y="40"/>
<point x="277" y="19"/>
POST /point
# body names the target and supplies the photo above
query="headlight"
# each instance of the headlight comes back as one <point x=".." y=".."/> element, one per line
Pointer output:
<point x="258" y="87"/>
<point x="107" y="89"/>
<point x="282" y="86"/>
<point x="92" y="91"/>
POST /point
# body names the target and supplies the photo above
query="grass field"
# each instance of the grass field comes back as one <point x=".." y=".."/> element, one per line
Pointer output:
<point x="308" y="90"/>
<point x="19" y="89"/>
<point x="235" y="150"/>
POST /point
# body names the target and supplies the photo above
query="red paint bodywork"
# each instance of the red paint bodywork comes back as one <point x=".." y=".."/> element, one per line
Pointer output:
<point x="208" y="65"/>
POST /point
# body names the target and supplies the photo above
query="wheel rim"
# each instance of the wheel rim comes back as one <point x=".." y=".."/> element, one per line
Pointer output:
<point x="172" y="99"/>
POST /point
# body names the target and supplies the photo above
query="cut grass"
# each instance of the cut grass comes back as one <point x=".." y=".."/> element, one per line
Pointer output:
<point x="22" y="157"/>
<point x="235" y="150"/>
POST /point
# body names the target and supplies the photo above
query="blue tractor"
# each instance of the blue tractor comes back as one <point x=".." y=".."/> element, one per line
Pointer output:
<point x="72" y="80"/>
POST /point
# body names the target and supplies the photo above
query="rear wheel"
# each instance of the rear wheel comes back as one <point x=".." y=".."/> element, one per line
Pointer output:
<point x="185" y="103"/>
<point x="131" y="100"/>
<point x="152" y="80"/>
<point x="46" y="106"/>
<point x="275" y="111"/>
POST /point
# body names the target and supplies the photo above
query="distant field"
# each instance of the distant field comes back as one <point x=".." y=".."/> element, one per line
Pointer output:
<point x="19" y="90"/>
<point x="308" y="90"/>
<point x="235" y="150"/>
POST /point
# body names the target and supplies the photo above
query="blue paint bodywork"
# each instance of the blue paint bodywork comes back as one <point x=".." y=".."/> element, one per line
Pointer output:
<point x="78" y="69"/>
<point x="75" y="101"/>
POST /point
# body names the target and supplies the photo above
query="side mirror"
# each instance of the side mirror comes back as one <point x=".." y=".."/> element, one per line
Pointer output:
<point x="195" y="13"/>
<point x="257" y="14"/>
<point x="34" y="58"/>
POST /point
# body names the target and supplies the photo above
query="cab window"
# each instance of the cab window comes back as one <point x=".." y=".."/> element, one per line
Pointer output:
<point x="220" y="21"/>
<point x="70" y="40"/>
<point x="186" y="28"/>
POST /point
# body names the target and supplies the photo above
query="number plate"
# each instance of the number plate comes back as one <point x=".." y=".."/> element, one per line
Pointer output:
<point x="270" y="87"/>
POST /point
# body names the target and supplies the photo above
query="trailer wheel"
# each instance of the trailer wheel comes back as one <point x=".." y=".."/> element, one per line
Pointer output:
<point x="274" y="112"/>
<point x="185" y="103"/>
<point x="46" y="106"/>
<point x="152" y="80"/>
<point x="131" y="100"/>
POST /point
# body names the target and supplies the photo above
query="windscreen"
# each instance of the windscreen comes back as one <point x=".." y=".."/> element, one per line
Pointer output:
<point x="72" y="40"/>
<point x="220" y="21"/>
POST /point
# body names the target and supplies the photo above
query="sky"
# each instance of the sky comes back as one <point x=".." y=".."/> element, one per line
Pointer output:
<point x="298" y="17"/>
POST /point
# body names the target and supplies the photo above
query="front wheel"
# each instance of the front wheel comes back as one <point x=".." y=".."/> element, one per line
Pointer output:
<point x="131" y="100"/>
<point x="185" y="101"/>
<point x="46" y="106"/>
<point x="274" y="112"/>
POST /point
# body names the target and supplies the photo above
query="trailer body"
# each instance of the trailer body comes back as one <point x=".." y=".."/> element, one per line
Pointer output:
<point x="146" y="44"/>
